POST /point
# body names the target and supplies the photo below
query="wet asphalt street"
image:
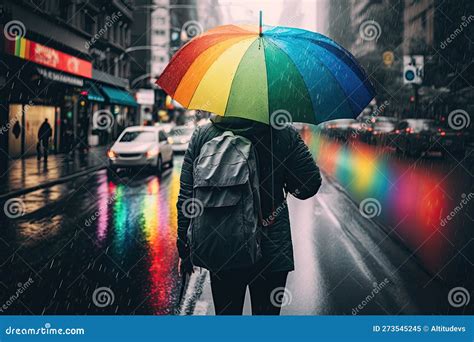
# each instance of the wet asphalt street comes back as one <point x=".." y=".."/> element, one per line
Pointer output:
<point x="347" y="265"/>
<point x="95" y="232"/>
<point x="119" y="233"/>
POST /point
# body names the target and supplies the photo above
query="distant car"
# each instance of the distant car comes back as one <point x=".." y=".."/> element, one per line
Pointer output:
<point x="381" y="130"/>
<point x="180" y="137"/>
<point x="416" y="137"/>
<point x="141" y="146"/>
<point x="339" y="129"/>
<point x="166" y="126"/>
<point x="374" y="129"/>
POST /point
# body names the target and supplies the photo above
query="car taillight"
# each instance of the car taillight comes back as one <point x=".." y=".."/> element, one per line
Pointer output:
<point x="397" y="131"/>
<point x="442" y="134"/>
<point x="111" y="154"/>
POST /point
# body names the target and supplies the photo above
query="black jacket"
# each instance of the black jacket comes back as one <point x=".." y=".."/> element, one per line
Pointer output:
<point x="45" y="132"/>
<point x="291" y="170"/>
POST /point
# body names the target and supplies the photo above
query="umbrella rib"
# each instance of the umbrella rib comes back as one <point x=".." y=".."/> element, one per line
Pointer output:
<point x="360" y="72"/>
<point x="236" y="72"/>
<point x="343" y="92"/>
<point x="299" y="73"/>
<point x="208" y="67"/>
<point x="194" y="92"/>
<point x="175" y="58"/>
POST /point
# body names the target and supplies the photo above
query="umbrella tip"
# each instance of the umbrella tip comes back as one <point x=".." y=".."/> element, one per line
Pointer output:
<point x="260" y="33"/>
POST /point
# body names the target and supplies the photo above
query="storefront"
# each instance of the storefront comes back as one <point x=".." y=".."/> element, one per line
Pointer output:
<point x="43" y="84"/>
<point x="95" y="103"/>
<point x="123" y="107"/>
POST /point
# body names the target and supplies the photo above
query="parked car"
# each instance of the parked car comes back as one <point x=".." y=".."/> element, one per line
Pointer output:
<point x="381" y="130"/>
<point x="166" y="126"/>
<point x="416" y="137"/>
<point x="180" y="137"/>
<point x="141" y="146"/>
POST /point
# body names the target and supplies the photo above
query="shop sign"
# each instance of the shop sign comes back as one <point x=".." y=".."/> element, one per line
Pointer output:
<point x="145" y="96"/>
<point x="52" y="58"/>
<point x="59" y="77"/>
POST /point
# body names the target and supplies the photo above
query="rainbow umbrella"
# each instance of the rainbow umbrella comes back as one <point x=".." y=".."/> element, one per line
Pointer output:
<point x="267" y="73"/>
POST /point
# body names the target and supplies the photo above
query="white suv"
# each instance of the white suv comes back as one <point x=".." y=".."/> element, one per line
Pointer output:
<point x="140" y="146"/>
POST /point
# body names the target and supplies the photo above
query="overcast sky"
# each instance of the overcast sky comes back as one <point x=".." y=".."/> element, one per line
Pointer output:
<point x="306" y="14"/>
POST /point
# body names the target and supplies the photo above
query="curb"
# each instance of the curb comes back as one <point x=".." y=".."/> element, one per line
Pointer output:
<point x="48" y="184"/>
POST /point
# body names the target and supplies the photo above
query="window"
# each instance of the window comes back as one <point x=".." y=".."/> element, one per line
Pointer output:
<point x="138" y="136"/>
<point x="89" y="23"/>
<point x="162" y="136"/>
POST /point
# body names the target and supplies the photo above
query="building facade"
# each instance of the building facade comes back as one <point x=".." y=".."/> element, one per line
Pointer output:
<point x="63" y="61"/>
<point x="442" y="33"/>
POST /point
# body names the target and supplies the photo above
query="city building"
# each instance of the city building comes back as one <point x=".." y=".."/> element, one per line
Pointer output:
<point x="160" y="28"/>
<point x="339" y="24"/>
<point x="377" y="36"/>
<point x="64" y="61"/>
<point x="442" y="33"/>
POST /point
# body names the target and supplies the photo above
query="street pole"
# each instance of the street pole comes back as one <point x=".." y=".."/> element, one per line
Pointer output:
<point x="415" y="90"/>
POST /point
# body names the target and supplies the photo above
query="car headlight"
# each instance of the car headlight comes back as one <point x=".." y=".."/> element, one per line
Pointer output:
<point x="152" y="153"/>
<point x="111" y="154"/>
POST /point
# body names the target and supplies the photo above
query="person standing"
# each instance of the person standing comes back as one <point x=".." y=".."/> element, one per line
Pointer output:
<point x="285" y="165"/>
<point x="44" y="134"/>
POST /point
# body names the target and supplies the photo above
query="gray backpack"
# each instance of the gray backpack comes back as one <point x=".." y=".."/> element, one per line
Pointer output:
<point x="225" y="232"/>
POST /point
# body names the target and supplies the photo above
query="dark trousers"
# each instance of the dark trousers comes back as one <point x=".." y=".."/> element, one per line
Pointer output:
<point x="42" y="146"/>
<point x="266" y="290"/>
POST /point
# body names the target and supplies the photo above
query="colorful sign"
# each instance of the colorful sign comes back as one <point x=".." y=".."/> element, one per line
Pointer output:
<point x="52" y="58"/>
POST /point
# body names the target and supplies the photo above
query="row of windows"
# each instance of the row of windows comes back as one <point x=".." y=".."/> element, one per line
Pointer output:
<point x="110" y="25"/>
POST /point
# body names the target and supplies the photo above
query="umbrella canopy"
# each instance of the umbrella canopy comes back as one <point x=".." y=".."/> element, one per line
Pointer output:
<point x="270" y="74"/>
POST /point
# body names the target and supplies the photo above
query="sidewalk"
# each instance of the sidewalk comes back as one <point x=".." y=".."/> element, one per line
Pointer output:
<point x="25" y="175"/>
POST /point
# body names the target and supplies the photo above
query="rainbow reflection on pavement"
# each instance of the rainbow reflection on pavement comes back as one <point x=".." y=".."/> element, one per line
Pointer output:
<point x="407" y="198"/>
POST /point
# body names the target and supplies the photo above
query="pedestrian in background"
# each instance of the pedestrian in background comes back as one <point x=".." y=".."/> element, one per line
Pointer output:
<point x="44" y="134"/>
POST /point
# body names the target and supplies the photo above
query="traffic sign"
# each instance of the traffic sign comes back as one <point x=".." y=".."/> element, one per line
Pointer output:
<point x="413" y="69"/>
